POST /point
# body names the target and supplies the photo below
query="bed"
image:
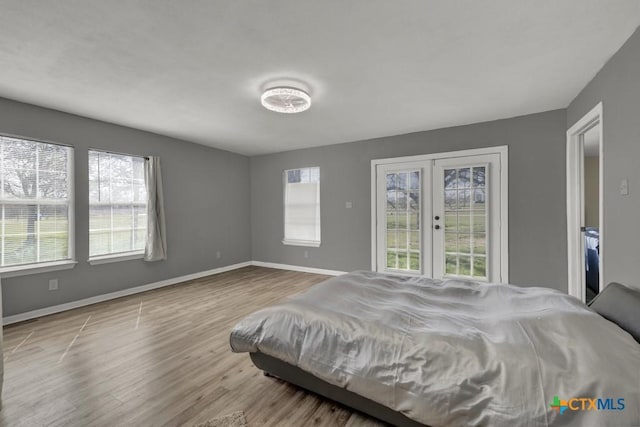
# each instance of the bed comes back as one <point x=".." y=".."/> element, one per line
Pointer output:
<point x="414" y="351"/>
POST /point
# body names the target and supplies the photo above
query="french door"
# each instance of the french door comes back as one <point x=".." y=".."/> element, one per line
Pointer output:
<point x="442" y="216"/>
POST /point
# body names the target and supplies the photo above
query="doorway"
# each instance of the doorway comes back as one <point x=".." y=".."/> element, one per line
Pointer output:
<point x="585" y="206"/>
<point x="441" y="215"/>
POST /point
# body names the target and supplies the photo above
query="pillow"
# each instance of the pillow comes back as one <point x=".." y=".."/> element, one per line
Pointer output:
<point x="620" y="305"/>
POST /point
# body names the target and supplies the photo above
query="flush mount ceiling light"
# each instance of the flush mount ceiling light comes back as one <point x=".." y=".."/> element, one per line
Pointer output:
<point x="285" y="100"/>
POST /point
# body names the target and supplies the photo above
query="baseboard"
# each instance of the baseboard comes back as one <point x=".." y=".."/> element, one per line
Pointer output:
<point x="21" y="317"/>
<point x="297" y="268"/>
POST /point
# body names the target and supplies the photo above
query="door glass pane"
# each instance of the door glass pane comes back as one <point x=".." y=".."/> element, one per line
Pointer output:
<point x="479" y="221"/>
<point x="392" y="259"/>
<point x="450" y="178"/>
<point x="465" y="230"/>
<point x="401" y="242"/>
<point x="463" y="178"/>
<point x="479" y="243"/>
<point x="464" y="243"/>
<point x="451" y="221"/>
<point x="479" y="198"/>
<point x="402" y="181"/>
<point x="414" y="261"/>
<point x="464" y="199"/>
<point x="415" y="180"/>
<point x="402" y="260"/>
<point x="464" y="268"/>
<point x="414" y="240"/>
<point x="464" y="221"/>
<point x="403" y="228"/>
<point x="479" y="266"/>
<point x="478" y="177"/>
<point x="391" y="221"/>
<point x="450" y="199"/>
<point x="451" y="264"/>
<point x="451" y="243"/>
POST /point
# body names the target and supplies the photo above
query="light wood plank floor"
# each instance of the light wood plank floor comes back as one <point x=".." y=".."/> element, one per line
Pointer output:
<point x="160" y="358"/>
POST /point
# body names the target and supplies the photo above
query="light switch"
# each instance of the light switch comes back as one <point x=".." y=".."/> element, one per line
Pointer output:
<point x="348" y="205"/>
<point x="624" y="187"/>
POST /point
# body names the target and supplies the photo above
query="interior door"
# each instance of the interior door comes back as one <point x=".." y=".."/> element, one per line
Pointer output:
<point x="466" y="218"/>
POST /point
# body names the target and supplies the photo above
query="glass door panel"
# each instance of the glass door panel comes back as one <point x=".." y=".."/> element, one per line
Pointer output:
<point x="465" y="222"/>
<point x="466" y="218"/>
<point x="403" y="199"/>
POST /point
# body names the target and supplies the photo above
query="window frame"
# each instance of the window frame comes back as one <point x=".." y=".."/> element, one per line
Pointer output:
<point x="114" y="256"/>
<point x="295" y="242"/>
<point x="64" y="264"/>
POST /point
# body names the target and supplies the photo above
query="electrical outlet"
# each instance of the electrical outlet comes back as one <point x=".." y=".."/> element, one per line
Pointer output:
<point x="348" y="205"/>
<point x="218" y="254"/>
<point x="53" y="284"/>
<point x="306" y="254"/>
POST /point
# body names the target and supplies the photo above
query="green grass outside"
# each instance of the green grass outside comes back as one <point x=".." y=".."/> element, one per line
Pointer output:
<point x="402" y="219"/>
<point x="465" y="221"/>
<point x="405" y="260"/>
<point x="53" y="242"/>
<point x="398" y="239"/>
<point x="464" y="265"/>
<point x="464" y="243"/>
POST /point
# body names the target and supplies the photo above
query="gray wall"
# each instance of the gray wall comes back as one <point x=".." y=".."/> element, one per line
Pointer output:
<point x="592" y="191"/>
<point x="617" y="85"/>
<point x="206" y="199"/>
<point x="537" y="203"/>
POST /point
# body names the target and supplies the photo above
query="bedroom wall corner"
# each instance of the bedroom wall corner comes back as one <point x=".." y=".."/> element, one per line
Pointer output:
<point x="207" y="207"/>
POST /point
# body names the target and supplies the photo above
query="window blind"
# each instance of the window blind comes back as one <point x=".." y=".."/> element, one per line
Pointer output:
<point x="35" y="198"/>
<point x="302" y="207"/>
<point x="117" y="204"/>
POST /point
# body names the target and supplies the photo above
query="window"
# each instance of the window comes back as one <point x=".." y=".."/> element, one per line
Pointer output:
<point x="36" y="200"/>
<point x="302" y="207"/>
<point x="117" y="204"/>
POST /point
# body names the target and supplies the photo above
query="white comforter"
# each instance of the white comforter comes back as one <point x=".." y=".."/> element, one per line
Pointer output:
<point x="455" y="353"/>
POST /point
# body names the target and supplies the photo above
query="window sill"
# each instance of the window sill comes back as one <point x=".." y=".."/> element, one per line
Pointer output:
<point x="45" y="267"/>
<point x="107" y="259"/>
<point x="308" y="243"/>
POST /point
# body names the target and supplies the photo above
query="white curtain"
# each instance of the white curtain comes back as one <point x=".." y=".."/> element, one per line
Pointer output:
<point x="156" y="246"/>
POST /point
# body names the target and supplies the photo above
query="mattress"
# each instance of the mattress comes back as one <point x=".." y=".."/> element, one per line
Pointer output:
<point x="455" y="352"/>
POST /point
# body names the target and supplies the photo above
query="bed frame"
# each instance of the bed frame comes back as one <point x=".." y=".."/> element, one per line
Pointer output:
<point x="294" y="375"/>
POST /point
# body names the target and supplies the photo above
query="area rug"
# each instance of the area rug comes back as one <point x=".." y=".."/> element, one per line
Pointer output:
<point x="235" y="419"/>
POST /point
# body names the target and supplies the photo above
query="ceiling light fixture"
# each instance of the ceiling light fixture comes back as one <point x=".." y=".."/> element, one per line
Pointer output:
<point x="285" y="100"/>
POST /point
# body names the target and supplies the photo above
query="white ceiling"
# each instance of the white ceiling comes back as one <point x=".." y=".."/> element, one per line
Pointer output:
<point x="195" y="69"/>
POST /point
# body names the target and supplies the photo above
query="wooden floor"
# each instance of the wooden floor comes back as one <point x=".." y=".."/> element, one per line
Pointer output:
<point x="160" y="358"/>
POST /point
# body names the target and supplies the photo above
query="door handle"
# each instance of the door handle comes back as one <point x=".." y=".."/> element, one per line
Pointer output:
<point x="437" y="227"/>
<point x="437" y="217"/>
